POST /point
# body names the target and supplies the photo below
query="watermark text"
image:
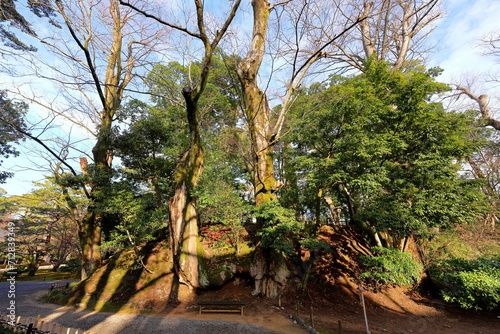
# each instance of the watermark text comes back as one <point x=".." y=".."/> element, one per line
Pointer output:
<point x="11" y="273"/>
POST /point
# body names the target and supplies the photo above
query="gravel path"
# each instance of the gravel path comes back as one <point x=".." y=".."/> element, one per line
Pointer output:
<point x="26" y="305"/>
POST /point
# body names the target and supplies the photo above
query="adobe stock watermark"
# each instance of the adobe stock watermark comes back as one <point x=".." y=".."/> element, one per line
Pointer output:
<point x="11" y="273"/>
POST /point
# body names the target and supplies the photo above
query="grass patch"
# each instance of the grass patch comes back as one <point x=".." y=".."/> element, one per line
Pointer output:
<point x="6" y="330"/>
<point x="42" y="275"/>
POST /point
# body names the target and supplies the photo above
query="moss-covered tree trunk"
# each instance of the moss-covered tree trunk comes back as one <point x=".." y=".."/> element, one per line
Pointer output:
<point x="182" y="206"/>
<point x="90" y="228"/>
<point x="268" y="268"/>
<point x="183" y="220"/>
<point x="89" y="235"/>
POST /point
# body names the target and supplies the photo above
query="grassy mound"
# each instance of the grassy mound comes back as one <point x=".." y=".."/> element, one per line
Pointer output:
<point x="123" y="284"/>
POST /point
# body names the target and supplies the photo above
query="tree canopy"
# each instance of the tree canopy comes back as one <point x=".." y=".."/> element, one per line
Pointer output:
<point x="387" y="153"/>
<point x="11" y="121"/>
<point x="188" y="125"/>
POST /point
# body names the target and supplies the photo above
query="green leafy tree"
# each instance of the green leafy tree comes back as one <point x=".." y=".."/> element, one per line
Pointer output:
<point x="220" y="192"/>
<point x="485" y="166"/>
<point x="45" y="227"/>
<point x="283" y="233"/>
<point x="150" y="146"/>
<point x="137" y="219"/>
<point x="386" y="153"/>
<point x="11" y="120"/>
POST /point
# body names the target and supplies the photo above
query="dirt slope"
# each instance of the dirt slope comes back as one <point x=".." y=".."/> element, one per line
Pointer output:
<point x="331" y="297"/>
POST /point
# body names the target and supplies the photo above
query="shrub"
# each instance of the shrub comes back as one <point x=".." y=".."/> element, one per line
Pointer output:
<point x="282" y="231"/>
<point x="389" y="267"/>
<point x="73" y="265"/>
<point x="56" y="296"/>
<point x="472" y="284"/>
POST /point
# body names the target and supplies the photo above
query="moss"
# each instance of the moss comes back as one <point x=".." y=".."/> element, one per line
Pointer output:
<point x="220" y="275"/>
<point x="116" y="285"/>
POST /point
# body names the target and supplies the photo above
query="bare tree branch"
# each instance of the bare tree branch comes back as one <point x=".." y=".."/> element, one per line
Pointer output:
<point x="168" y="24"/>
<point x="85" y="50"/>
<point x="482" y="101"/>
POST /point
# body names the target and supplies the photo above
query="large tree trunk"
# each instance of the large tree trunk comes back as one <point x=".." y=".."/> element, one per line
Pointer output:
<point x="268" y="268"/>
<point x="183" y="220"/>
<point x="257" y="110"/>
<point x="182" y="206"/>
<point x="91" y="226"/>
<point x="90" y="241"/>
<point x="184" y="237"/>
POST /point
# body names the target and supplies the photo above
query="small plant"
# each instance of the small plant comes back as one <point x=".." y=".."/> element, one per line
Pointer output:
<point x="73" y="265"/>
<point x="56" y="296"/>
<point x="389" y="267"/>
<point x="472" y="284"/>
<point x="298" y="306"/>
<point x="280" y="229"/>
<point x="6" y="330"/>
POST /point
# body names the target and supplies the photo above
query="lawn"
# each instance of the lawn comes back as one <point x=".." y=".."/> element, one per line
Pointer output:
<point x="42" y="275"/>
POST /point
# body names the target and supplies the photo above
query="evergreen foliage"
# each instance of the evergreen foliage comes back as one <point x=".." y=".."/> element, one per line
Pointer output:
<point x="11" y="118"/>
<point x="389" y="267"/>
<point x="43" y="224"/>
<point x="10" y="14"/>
<point x="282" y="231"/>
<point x="472" y="284"/>
<point x="385" y="151"/>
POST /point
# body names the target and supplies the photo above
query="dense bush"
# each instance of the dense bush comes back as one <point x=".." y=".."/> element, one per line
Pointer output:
<point x="282" y="231"/>
<point x="389" y="267"/>
<point x="473" y="284"/>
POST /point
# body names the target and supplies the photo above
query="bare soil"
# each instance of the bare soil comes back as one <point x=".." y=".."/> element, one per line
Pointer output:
<point x="393" y="311"/>
<point x="332" y="300"/>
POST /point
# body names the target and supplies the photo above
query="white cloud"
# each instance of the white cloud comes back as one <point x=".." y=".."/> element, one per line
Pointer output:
<point x="459" y="33"/>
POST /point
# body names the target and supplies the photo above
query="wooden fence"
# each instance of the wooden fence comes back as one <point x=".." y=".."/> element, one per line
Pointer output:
<point x="30" y="325"/>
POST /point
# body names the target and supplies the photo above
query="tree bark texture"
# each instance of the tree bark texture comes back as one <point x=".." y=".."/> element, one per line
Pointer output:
<point x="90" y="239"/>
<point x="270" y="272"/>
<point x="268" y="268"/>
<point x="182" y="206"/>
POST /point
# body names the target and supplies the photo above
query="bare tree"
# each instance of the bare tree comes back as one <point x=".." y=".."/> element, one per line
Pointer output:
<point x="394" y="31"/>
<point x="482" y="103"/>
<point x="93" y="61"/>
<point x="491" y="45"/>
<point x="484" y="165"/>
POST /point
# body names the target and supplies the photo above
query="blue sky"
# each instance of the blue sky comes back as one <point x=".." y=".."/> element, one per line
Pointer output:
<point x="458" y="35"/>
<point x="456" y="39"/>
